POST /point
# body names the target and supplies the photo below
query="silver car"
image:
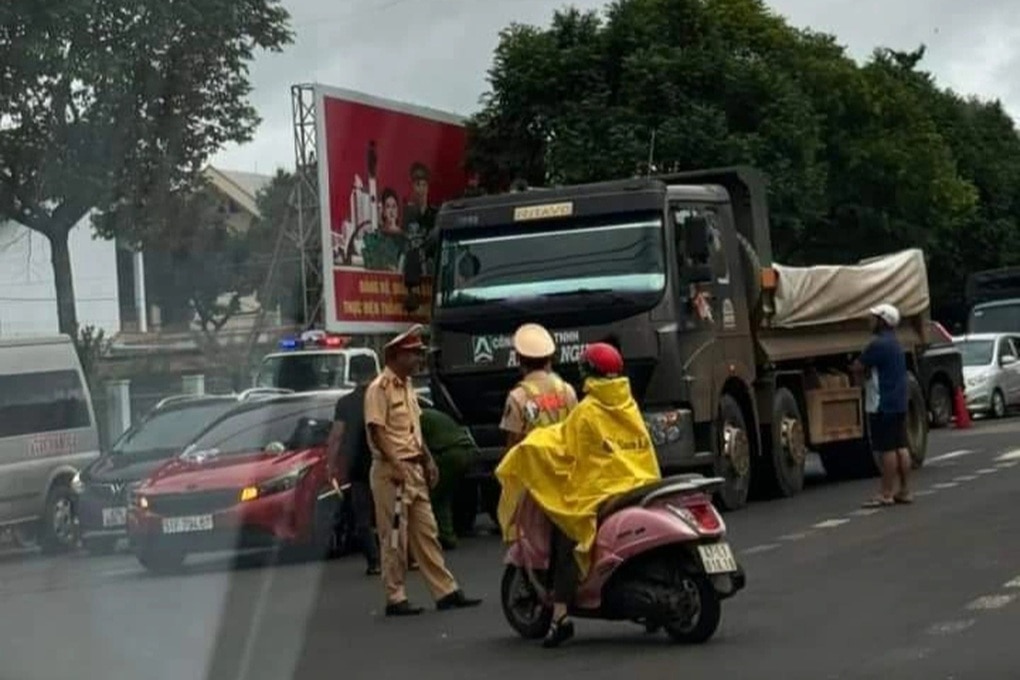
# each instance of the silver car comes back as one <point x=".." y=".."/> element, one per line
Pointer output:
<point x="991" y="371"/>
<point x="47" y="433"/>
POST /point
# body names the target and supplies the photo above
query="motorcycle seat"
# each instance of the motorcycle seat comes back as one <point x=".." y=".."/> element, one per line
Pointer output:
<point x="636" y="496"/>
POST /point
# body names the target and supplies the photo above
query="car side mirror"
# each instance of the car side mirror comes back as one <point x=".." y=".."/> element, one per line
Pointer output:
<point x="696" y="239"/>
<point x="275" y="448"/>
<point x="1007" y="360"/>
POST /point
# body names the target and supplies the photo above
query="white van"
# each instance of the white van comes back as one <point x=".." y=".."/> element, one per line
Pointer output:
<point x="47" y="433"/>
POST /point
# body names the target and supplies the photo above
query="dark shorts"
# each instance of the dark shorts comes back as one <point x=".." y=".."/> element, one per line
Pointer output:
<point x="888" y="431"/>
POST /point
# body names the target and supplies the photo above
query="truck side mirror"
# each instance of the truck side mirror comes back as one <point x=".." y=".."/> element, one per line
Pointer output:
<point x="696" y="239"/>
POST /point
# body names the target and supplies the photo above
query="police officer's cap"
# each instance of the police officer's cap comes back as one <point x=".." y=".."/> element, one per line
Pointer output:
<point x="533" y="341"/>
<point x="410" y="340"/>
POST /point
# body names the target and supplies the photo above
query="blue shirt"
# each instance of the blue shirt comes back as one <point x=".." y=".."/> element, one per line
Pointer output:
<point x="884" y="356"/>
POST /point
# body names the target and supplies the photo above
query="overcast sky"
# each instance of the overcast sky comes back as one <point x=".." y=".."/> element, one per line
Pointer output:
<point x="436" y="52"/>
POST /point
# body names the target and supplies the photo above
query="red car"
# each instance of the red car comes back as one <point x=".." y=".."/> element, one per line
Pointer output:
<point x="255" y="477"/>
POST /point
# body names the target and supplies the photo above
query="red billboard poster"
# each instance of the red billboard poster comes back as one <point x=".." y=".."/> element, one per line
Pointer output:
<point x="388" y="167"/>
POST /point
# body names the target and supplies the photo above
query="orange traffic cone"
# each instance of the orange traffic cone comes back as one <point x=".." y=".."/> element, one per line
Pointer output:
<point x="960" y="413"/>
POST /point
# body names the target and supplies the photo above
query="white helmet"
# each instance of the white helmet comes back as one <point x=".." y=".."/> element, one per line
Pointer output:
<point x="888" y="314"/>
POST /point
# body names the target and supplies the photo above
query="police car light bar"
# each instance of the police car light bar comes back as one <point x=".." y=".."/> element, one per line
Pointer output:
<point x="310" y="339"/>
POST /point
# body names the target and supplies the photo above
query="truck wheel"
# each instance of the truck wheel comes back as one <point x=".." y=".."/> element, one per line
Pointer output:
<point x="733" y="455"/>
<point x="783" y="468"/>
<point x="917" y="422"/>
<point x="940" y="403"/>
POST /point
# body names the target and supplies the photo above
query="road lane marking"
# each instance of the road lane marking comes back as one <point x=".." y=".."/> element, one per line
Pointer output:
<point x="926" y="492"/>
<point x="1009" y="455"/>
<point x="865" y="512"/>
<point x="987" y="602"/>
<point x="1015" y="583"/>
<point x="765" y="547"/>
<point x="1006" y="466"/>
<point x="965" y="478"/>
<point x="951" y="455"/>
<point x="830" y="524"/>
<point x="795" y="537"/>
<point x="117" y="573"/>
<point x="950" y="627"/>
<point x="987" y="471"/>
<point x="945" y="485"/>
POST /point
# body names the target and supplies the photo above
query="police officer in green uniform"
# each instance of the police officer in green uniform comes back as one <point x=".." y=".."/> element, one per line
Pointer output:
<point x="452" y="447"/>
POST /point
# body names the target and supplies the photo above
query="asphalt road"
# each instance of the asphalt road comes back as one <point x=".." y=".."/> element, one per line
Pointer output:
<point x="925" y="591"/>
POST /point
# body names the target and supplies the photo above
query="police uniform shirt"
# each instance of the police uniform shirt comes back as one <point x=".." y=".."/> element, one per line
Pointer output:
<point x="539" y="394"/>
<point x="392" y="405"/>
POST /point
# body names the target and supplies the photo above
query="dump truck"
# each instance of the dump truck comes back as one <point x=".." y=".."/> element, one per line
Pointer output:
<point x="741" y="365"/>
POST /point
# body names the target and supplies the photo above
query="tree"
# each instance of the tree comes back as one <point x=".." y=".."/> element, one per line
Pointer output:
<point x="862" y="158"/>
<point x="277" y="214"/>
<point x="117" y="106"/>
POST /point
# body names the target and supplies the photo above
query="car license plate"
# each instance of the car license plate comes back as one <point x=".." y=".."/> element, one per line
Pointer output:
<point x="114" y="517"/>
<point x="184" y="525"/>
<point x="717" y="558"/>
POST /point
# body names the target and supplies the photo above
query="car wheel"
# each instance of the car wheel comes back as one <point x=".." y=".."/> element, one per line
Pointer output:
<point x="58" y="532"/>
<point x="998" y="404"/>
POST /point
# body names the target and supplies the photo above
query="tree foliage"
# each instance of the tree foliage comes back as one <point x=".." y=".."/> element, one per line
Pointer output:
<point x="862" y="158"/>
<point x="117" y="105"/>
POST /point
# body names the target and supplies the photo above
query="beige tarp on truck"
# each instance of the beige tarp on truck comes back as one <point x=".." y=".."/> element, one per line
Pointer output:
<point x="833" y="294"/>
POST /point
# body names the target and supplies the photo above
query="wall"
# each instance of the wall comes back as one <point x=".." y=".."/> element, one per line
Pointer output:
<point x="27" y="294"/>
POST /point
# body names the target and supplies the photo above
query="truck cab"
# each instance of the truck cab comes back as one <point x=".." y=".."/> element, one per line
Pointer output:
<point x="313" y="361"/>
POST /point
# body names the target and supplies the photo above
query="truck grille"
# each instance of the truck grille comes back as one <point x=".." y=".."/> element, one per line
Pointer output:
<point x="197" y="503"/>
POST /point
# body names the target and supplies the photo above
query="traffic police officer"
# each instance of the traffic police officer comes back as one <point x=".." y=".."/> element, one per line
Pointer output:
<point x="541" y="398"/>
<point x="401" y="475"/>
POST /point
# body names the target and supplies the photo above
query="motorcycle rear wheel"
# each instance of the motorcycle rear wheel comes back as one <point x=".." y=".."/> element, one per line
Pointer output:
<point x="518" y="597"/>
<point x="705" y="621"/>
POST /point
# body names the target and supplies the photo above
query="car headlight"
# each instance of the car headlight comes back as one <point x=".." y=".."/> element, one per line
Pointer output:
<point x="284" y="482"/>
<point x="137" y="500"/>
<point x="77" y="485"/>
<point x="977" y="380"/>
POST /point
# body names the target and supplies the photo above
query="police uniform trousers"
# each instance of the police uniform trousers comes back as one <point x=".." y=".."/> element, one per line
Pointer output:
<point x="417" y="531"/>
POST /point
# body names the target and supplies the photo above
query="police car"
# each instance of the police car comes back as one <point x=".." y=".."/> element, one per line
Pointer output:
<point x="314" y="361"/>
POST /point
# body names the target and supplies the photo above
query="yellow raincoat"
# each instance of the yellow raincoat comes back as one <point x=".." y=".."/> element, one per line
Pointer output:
<point x="600" y="450"/>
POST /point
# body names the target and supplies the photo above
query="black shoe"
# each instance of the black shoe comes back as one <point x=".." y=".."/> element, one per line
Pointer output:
<point x="457" y="600"/>
<point x="373" y="570"/>
<point x="403" y="608"/>
<point x="559" y="632"/>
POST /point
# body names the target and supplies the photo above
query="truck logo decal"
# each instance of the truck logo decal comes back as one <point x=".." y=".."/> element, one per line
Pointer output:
<point x="483" y="350"/>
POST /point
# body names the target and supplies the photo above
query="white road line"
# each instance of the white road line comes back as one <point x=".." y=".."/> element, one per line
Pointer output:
<point x="765" y="547"/>
<point x="926" y="492"/>
<point x="117" y="573"/>
<point x="795" y="537"/>
<point x="991" y="602"/>
<point x="1006" y="466"/>
<point x="951" y="455"/>
<point x="965" y="478"/>
<point x="945" y="485"/>
<point x="865" y="512"/>
<point x="950" y="627"/>
<point x="830" y="524"/>
<point x="987" y="471"/>
<point x="1015" y="583"/>
<point x="1009" y="455"/>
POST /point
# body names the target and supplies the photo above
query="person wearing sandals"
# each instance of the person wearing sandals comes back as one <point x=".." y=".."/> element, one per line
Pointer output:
<point x="886" y="404"/>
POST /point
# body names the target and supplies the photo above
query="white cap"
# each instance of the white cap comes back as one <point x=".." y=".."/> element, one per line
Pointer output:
<point x="887" y="313"/>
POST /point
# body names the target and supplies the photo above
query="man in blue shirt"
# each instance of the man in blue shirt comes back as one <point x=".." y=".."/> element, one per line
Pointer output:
<point x="886" y="405"/>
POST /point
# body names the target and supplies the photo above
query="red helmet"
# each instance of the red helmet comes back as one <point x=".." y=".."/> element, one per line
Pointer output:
<point x="601" y="360"/>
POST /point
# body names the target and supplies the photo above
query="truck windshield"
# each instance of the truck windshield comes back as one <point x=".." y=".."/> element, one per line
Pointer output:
<point x="621" y="256"/>
<point x="997" y="317"/>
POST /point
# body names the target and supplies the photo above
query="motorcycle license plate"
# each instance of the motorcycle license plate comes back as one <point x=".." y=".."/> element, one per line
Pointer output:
<point x="717" y="558"/>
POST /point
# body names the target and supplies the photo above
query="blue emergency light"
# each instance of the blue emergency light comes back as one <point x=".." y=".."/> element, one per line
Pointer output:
<point x="291" y="343"/>
<point x="314" y="339"/>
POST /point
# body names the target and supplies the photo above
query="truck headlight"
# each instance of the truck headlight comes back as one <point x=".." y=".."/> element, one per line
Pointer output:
<point x="664" y="427"/>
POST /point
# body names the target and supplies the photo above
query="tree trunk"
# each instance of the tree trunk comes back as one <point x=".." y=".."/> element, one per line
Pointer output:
<point x="67" y="316"/>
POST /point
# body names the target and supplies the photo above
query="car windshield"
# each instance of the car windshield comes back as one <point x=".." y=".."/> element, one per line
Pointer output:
<point x="995" y="318"/>
<point x="294" y="424"/>
<point x="617" y="255"/>
<point x="976" y="352"/>
<point x="303" y="372"/>
<point x="170" y="429"/>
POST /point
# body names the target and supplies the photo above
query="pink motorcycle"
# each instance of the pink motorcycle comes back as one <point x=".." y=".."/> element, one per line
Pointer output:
<point x="659" y="560"/>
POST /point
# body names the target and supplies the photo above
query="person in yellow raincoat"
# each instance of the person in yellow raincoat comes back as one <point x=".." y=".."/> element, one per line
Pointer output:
<point x="602" y="449"/>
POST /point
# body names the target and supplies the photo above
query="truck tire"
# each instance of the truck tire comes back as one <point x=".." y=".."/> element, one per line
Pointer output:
<point x="940" y="402"/>
<point x="782" y="468"/>
<point x="917" y="422"/>
<point x="732" y="455"/>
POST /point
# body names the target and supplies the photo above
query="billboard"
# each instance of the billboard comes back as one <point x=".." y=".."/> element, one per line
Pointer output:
<point x="388" y="167"/>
